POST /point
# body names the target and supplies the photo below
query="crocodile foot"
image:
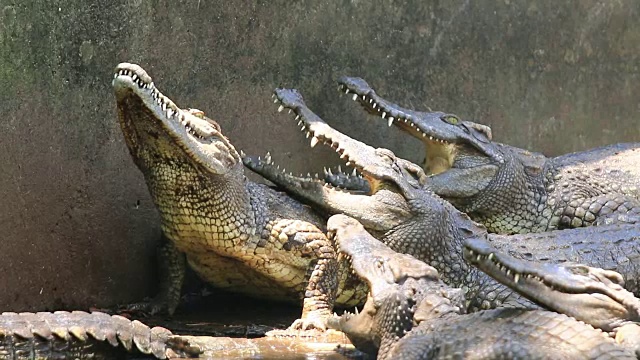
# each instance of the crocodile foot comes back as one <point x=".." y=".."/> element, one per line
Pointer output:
<point x="146" y="308"/>
<point x="307" y="326"/>
<point x="310" y="322"/>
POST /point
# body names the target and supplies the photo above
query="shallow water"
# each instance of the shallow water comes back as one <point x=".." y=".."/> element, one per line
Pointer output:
<point x="239" y="325"/>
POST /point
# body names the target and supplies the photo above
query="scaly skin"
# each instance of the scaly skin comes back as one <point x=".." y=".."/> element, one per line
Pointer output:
<point x="592" y="295"/>
<point x="405" y="292"/>
<point x="412" y="220"/>
<point x="511" y="190"/>
<point x="81" y="335"/>
<point x="236" y="234"/>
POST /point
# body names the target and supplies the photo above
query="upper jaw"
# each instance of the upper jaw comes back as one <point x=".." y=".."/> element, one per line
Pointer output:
<point x="377" y="165"/>
<point x="434" y="128"/>
<point x="141" y="104"/>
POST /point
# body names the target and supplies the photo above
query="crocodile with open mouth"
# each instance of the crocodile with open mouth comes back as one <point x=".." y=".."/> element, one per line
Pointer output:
<point x="236" y="234"/>
<point x="411" y="314"/>
<point x="511" y="190"/>
<point x="410" y="219"/>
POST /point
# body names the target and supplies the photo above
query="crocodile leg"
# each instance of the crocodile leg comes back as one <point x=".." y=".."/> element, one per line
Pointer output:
<point x="171" y="272"/>
<point x="320" y="291"/>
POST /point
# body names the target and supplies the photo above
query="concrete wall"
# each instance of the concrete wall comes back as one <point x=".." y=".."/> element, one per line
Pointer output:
<point x="78" y="227"/>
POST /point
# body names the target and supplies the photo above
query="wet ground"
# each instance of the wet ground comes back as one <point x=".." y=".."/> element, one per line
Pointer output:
<point x="239" y="325"/>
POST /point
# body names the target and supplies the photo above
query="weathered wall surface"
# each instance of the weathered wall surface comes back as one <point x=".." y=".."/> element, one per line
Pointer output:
<point x="78" y="227"/>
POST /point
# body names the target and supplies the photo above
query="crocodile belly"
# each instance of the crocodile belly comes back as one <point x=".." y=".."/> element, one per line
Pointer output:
<point x="233" y="275"/>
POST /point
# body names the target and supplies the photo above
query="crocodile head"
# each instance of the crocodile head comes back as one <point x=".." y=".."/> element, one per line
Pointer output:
<point x="391" y="181"/>
<point x="397" y="284"/>
<point x="450" y="142"/>
<point x="461" y="159"/>
<point x="158" y="132"/>
<point x="593" y="295"/>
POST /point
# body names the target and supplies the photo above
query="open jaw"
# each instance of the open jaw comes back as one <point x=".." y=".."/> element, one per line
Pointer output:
<point x="595" y="296"/>
<point x="373" y="169"/>
<point x="374" y="262"/>
<point x="444" y="135"/>
<point x="385" y="272"/>
<point x="144" y="112"/>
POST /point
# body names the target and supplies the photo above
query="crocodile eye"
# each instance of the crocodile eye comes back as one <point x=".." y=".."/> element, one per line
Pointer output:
<point x="451" y="119"/>
<point x="387" y="155"/>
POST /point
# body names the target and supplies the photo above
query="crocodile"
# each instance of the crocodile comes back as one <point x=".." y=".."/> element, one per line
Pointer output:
<point x="512" y="190"/>
<point x="592" y="295"/>
<point x="82" y="335"/>
<point x="96" y="335"/>
<point x="401" y="212"/>
<point x="411" y="313"/>
<point x="236" y="234"/>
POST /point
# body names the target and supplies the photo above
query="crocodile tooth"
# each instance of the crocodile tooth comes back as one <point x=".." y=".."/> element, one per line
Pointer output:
<point x="267" y="158"/>
<point x="330" y="173"/>
<point x="490" y="256"/>
<point x="478" y="258"/>
<point x="134" y="77"/>
<point x="314" y="141"/>
<point x="275" y="101"/>
<point x="298" y="117"/>
<point x="384" y="114"/>
<point x="340" y="169"/>
<point x="374" y="105"/>
<point x="301" y="128"/>
<point x="353" y="173"/>
<point x="364" y="97"/>
<point x="299" y="122"/>
<point x="308" y="134"/>
<point x="242" y="153"/>
<point x="280" y="108"/>
<point x="169" y="113"/>
<point x="349" y="163"/>
<point x="289" y="111"/>
<point x="355" y="97"/>
<point x="471" y="252"/>
<point x="516" y="278"/>
<point x="390" y="121"/>
<point x="346" y="91"/>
